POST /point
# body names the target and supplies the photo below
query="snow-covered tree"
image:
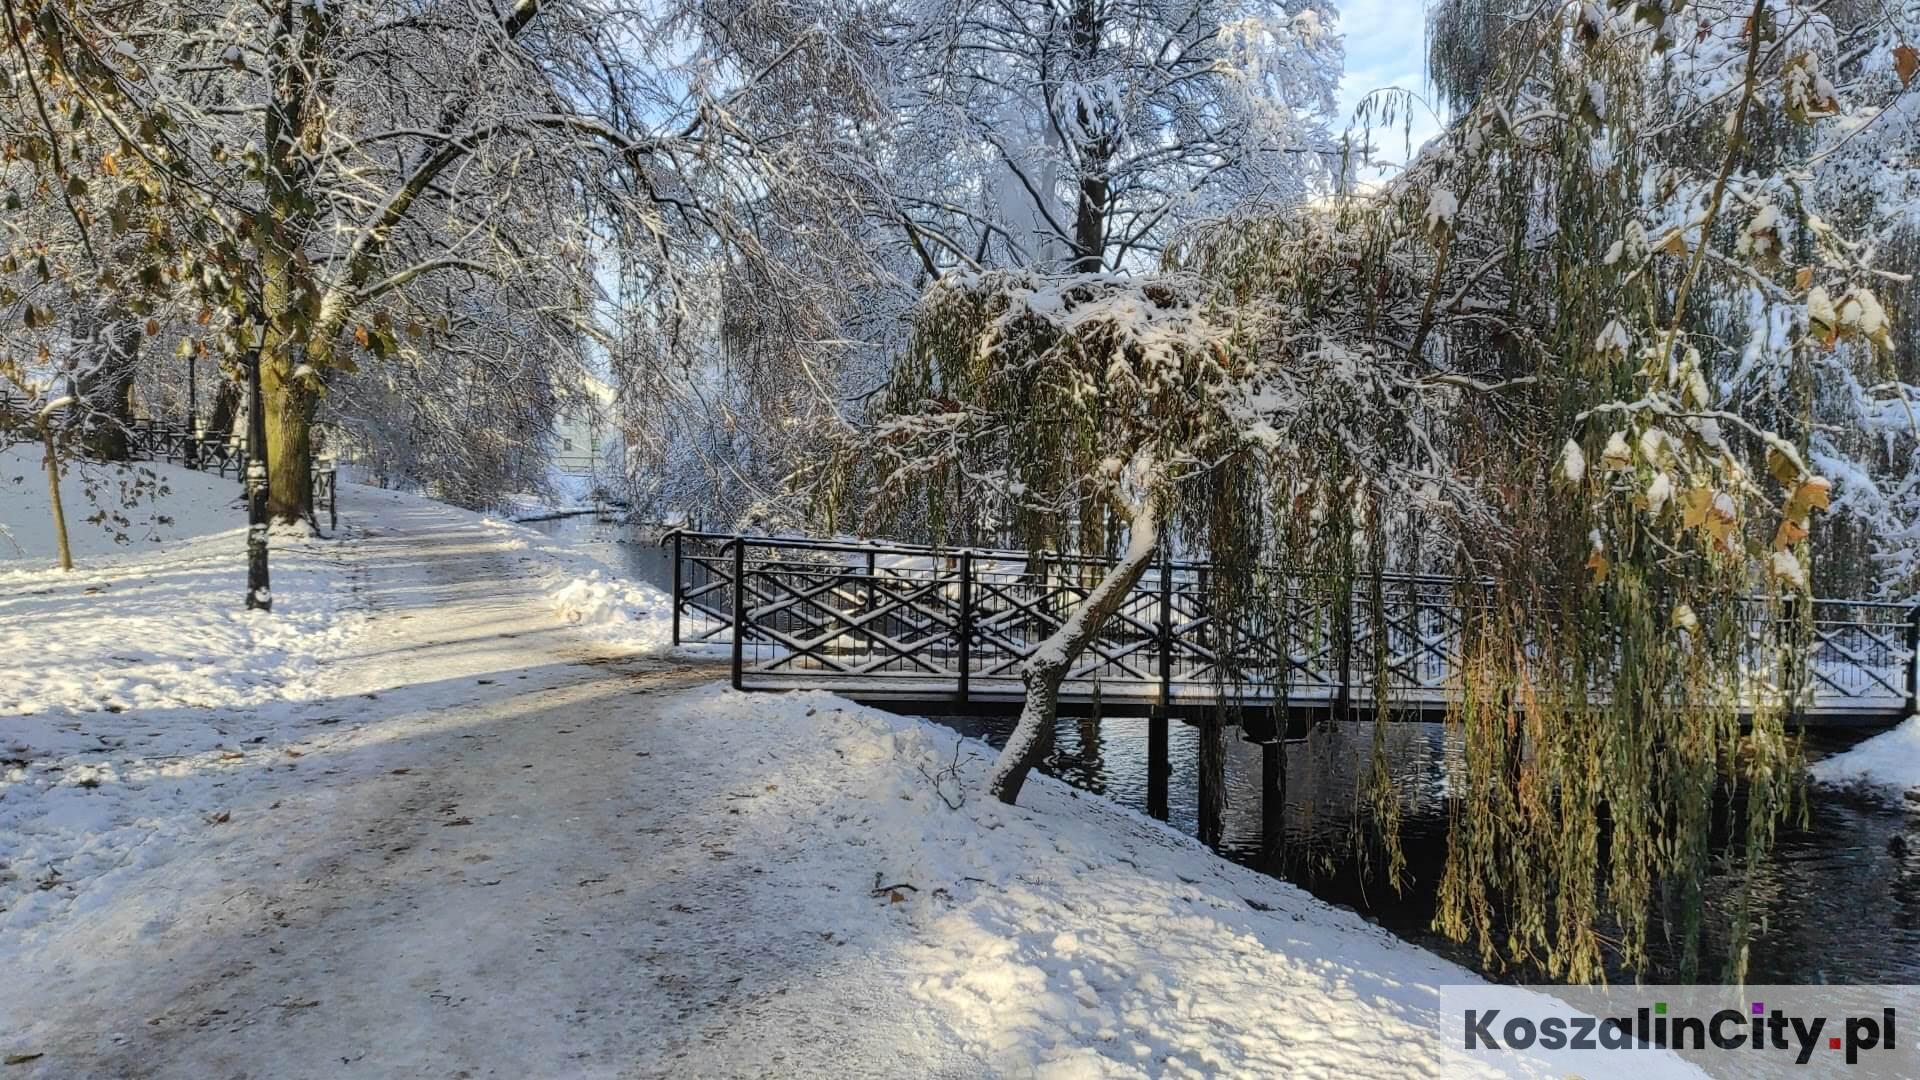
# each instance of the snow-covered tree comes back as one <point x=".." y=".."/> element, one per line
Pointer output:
<point x="1621" y="228"/>
<point x="342" y="175"/>
<point x="1825" y="182"/>
<point x="1083" y="134"/>
<point x="1112" y="415"/>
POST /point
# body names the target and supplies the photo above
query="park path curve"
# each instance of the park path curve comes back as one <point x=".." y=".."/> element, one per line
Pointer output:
<point x="473" y="866"/>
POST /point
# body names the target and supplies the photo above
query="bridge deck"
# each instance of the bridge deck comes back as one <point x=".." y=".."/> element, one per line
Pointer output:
<point x="941" y="630"/>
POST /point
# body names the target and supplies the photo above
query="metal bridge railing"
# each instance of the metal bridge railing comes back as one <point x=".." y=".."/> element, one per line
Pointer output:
<point x="800" y="612"/>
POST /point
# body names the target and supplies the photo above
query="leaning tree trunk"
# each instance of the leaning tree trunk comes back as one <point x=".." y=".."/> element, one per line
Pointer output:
<point x="53" y="493"/>
<point x="1047" y="668"/>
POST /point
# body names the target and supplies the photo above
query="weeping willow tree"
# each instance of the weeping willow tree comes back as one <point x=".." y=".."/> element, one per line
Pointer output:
<point x="1110" y="415"/>
<point x="1512" y="366"/>
<point x="1575" y="240"/>
<point x="1076" y="406"/>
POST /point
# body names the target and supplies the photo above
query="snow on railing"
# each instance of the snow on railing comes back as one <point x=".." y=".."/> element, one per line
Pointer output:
<point x="960" y="622"/>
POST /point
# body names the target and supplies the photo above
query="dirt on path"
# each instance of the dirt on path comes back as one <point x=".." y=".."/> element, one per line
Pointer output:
<point x="475" y="866"/>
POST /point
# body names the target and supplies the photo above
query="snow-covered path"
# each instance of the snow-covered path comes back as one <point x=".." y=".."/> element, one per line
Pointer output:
<point x="392" y="895"/>
<point x="494" y="847"/>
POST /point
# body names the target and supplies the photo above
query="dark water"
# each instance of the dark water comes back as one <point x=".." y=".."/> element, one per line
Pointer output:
<point x="626" y="549"/>
<point x="1840" y="899"/>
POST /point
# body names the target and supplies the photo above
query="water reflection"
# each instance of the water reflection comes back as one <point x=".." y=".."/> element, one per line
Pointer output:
<point x="1839" y="899"/>
<point x="627" y="550"/>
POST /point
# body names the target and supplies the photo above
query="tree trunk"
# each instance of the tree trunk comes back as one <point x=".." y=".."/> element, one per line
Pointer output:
<point x="1048" y="667"/>
<point x="302" y="70"/>
<point x="1094" y="155"/>
<point x="288" y="408"/>
<point x="53" y="494"/>
<point x="226" y="401"/>
<point x="107" y="393"/>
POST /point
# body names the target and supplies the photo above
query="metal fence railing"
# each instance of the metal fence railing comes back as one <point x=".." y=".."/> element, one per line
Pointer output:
<point x="852" y="616"/>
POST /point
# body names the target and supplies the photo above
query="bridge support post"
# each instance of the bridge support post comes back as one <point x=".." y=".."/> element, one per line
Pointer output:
<point x="1209" y="815"/>
<point x="866" y="601"/>
<point x="1158" y="766"/>
<point x="1273" y="794"/>
<point x="1913" y="662"/>
<point x="679" y="589"/>
<point x="1343" y="695"/>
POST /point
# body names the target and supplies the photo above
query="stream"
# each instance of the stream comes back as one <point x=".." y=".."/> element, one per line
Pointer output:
<point x="1839" y="899"/>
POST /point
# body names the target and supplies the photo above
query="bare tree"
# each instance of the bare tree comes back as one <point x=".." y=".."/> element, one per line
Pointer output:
<point x="1085" y="134"/>
<point x="344" y="168"/>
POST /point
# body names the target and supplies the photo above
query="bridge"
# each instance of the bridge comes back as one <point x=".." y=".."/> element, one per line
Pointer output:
<point x="946" y="630"/>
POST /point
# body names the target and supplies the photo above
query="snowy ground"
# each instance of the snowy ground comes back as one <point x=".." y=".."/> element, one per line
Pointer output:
<point x="139" y="669"/>
<point x="1889" y="760"/>
<point x="474" y="841"/>
<point x="583" y="586"/>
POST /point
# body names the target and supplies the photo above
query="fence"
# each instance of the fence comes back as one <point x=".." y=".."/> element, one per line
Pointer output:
<point x="890" y="620"/>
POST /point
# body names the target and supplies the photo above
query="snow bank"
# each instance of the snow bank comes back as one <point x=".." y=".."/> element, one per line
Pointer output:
<point x="585" y="588"/>
<point x="139" y="670"/>
<point x="1063" y="937"/>
<point x="633" y="614"/>
<point x="184" y="504"/>
<point x="1889" y="759"/>
<point x="157" y="621"/>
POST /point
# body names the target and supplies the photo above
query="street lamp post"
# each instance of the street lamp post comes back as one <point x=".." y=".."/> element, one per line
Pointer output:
<point x="259" y="596"/>
<point x="192" y="452"/>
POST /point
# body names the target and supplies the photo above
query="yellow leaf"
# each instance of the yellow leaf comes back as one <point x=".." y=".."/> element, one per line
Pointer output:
<point x="1684" y="619"/>
<point x="1599" y="564"/>
<point x="1816" y="492"/>
<point x="1693" y="507"/>
<point x="1906" y="61"/>
<point x="1675" y="244"/>
<point x="1803" y="277"/>
<point x="1783" y="467"/>
<point x="1790" y="533"/>
<point x="360" y="334"/>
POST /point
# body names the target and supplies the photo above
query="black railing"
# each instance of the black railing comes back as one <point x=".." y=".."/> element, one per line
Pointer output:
<point x="879" y="619"/>
<point x="159" y="440"/>
<point x="152" y="439"/>
<point x="323" y="489"/>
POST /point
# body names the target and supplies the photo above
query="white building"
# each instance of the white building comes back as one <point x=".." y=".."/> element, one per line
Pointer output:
<point x="586" y="444"/>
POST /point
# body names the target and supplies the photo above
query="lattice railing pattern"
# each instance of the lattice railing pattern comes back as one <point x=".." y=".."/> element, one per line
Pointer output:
<point x="961" y="621"/>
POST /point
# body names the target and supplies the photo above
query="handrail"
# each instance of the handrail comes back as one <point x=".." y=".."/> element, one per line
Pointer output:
<point x="822" y="618"/>
<point x="878" y="547"/>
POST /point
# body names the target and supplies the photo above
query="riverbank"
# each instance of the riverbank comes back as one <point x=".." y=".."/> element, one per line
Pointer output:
<point x="1890" y="761"/>
<point x="480" y="841"/>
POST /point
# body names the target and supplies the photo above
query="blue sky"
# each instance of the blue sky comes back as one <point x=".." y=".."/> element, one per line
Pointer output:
<point x="1386" y="46"/>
